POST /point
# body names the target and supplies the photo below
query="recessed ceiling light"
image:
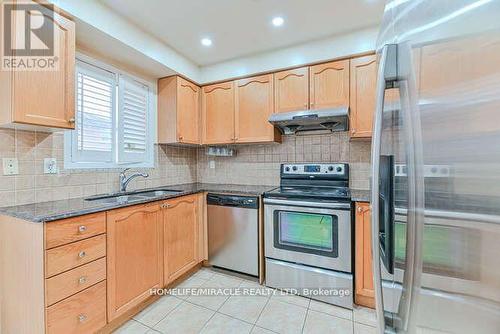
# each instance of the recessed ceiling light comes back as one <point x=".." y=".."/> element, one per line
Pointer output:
<point x="206" y="41"/>
<point x="278" y="21"/>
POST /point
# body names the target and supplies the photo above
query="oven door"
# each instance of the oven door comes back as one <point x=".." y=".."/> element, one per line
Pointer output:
<point x="314" y="234"/>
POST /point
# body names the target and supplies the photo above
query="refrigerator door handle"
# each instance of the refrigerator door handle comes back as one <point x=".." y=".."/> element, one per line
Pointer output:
<point x="387" y="74"/>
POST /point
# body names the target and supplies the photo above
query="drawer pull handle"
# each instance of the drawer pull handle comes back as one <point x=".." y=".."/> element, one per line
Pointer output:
<point x="82" y="228"/>
<point x="82" y="317"/>
<point x="82" y="280"/>
<point x="82" y="254"/>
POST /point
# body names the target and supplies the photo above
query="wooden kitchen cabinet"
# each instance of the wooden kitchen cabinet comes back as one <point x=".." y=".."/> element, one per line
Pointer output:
<point x="291" y="90"/>
<point x="135" y="256"/>
<point x="178" y="111"/>
<point x="42" y="99"/>
<point x="254" y="99"/>
<point x="181" y="228"/>
<point x="329" y="85"/>
<point x="363" y="99"/>
<point x="218" y="113"/>
<point x="364" y="292"/>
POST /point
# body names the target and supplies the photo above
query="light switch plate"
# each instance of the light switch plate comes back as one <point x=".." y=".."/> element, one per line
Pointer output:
<point x="211" y="164"/>
<point x="10" y="166"/>
<point x="50" y="166"/>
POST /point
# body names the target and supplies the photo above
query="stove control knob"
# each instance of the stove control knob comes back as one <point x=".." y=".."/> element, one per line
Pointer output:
<point x="287" y="169"/>
<point x="294" y="168"/>
<point x="339" y="169"/>
<point x="330" y="168"/>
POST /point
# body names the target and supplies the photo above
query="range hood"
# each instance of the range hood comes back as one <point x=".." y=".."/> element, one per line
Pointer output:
<point x="307" y="121"/>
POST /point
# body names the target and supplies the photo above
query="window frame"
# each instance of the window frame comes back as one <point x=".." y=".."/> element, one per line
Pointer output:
<point x="71" y="159"/>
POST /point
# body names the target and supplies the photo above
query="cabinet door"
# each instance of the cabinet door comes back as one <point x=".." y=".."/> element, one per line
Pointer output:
<point x="329" y="85"/>
<point x="134" y="256"/>
<point x="364" y="293"/>
<point x="254" y="105"/>
<point x="291" y="90"/>
<point x="47" y="98"/>
<point x="188" y="112"/>
<point x="181" y="228"/>
<point x="218" y="113"/>
<point x="363" y="100"/>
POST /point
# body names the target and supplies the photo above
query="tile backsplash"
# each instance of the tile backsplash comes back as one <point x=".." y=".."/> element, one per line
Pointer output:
<point x="173" y="165"/>
<point x="253" y="164"/>
<point x="259" y="164"/>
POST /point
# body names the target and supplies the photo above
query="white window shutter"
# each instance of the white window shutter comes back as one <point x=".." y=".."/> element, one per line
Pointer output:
<point x="133" y="122"/>
<point x="93" y="138"/>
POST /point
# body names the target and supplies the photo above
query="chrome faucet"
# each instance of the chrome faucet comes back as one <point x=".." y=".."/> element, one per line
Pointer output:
<point x="124" y="180"/>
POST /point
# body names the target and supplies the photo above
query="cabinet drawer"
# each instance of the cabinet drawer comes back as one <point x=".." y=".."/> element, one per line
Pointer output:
<point x="75" y="280"/>
<point x="66" y="257"/>
<point x="83" y="313"/>
<point x="73" y="229"/>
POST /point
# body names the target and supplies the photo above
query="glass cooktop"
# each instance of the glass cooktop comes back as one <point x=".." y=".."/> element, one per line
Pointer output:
<point x="307" y="192"/>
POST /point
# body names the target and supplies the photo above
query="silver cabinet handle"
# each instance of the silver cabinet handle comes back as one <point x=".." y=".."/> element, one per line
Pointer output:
<point x="376" y="143"/>
<point x="82" y="318"/>
<point x="82" y="254"/>
<point x="82" y="280"/>
<point x="71" y="120"/>
<point x="82" y="228"/>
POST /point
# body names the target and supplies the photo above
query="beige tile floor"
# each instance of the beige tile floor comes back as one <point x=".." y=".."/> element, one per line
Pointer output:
<point x="245" y="314"/>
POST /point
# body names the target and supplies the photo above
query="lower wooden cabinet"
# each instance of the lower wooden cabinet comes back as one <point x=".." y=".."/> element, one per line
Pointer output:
<point x="84" y="274"/>
<point x="181" y="219"/>
<point x="82" y="313"/>
<point x="135" y="256"/>
<point x="364" y="292"/>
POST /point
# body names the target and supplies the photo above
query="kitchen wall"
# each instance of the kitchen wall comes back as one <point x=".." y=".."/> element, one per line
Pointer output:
<point x="173" y="165"/>
<point x="253" y="164"/>
<point x="259" y="164"/>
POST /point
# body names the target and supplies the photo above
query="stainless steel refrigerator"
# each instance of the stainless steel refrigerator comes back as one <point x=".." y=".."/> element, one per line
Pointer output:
<point x="436" y="168"/>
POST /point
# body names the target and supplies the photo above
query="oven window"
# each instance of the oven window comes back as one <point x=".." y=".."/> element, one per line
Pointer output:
<point x="306" y="232"/>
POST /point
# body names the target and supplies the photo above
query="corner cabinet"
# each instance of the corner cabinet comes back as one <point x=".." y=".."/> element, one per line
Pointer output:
<point x="364" y="292"/>
<point x="254" y="104"/>
<point x="181" y="219"/>
<point x="363" y="99"/>
<point x="218" y="113"/>
<point x="329" y="85"/>
<point x="134" y="256"/>
<point x="178" y="111"/>
<point x="291" y="90"/>
<point x="42" y="99"/>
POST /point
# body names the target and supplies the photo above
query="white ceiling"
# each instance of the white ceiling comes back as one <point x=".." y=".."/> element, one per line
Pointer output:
<point x="241" y="28"/>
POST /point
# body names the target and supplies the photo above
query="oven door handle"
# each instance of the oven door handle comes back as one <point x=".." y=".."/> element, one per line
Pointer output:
<point x="322" y="205"/>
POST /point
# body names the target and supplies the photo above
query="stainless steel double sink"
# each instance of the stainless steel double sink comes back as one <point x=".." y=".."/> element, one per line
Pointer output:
<point x="132" y="196"/>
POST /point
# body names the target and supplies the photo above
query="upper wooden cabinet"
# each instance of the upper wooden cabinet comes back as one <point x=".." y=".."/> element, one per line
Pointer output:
<point x="181" y="219"/>
<point x="364" y="292"/>
<point x="43" y="98"/>
<point x="329" y="85"/>
<point x="218" y="113"/>
<point x="363" y="99"/>
<point x="134" y="256"/>
<point x="291" y="90"/>
<point x="178" y="111"/>
<point x="254" y="104"/>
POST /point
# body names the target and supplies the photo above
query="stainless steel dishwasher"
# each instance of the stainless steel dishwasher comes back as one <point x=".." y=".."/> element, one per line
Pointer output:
<point x="233" y="228"/>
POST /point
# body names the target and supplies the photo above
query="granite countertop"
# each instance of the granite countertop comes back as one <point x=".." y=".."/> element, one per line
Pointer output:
<point x="360" y="195"/>
<point x="55" y="210"/>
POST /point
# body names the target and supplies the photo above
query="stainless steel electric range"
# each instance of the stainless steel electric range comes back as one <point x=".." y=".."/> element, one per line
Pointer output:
<point x="308" y="232"/>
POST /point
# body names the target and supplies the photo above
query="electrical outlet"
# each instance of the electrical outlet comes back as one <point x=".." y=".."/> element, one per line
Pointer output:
<point x="211" y="164"/>
<point x="50" y="166"/>
<point x="10" y="166"/>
